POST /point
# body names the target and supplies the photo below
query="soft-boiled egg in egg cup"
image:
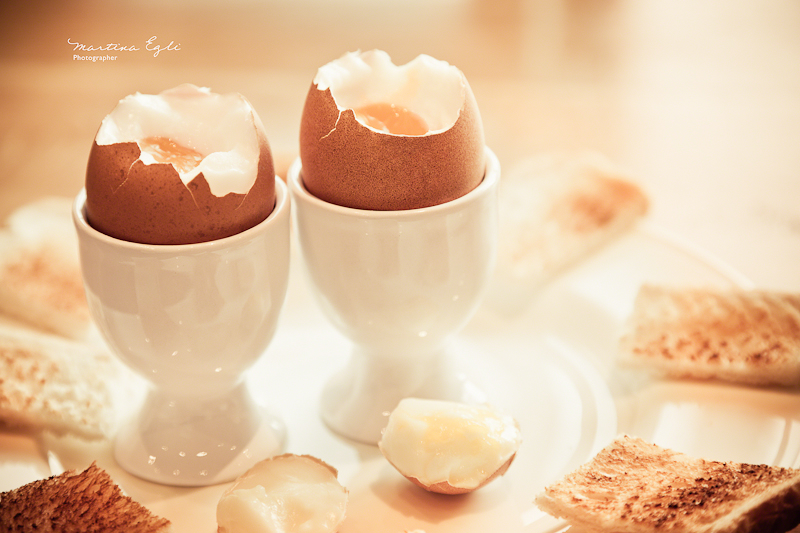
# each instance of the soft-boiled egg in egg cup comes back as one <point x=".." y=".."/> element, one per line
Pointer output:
<point x="183" y="232"/>
<point x="380" y="136"/>
<point x="180" y="167"/>
<point x="395" y="203"/>
<point x="449" y="447"/>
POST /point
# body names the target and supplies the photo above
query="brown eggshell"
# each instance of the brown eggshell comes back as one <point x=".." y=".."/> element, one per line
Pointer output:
<point x="443" y="487"/>
<point x="349" y="164"/>
<point x="149" y="204"/>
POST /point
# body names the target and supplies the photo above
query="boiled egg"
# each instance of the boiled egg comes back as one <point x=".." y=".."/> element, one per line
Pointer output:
<point x="179" y="167"/>
<point x="284" y="494"/>
<point x="380" y="136"/>
<point x="449" y="447"/>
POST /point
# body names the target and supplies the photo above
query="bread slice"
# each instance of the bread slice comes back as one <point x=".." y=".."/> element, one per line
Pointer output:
<point x="633" y="486"/>
<point x="50" y="383"/>
<point x="42" y="286"/>
<point x="40" y="275"/>
<point x="555" y="209"/>
<point x="80" y="502"/>
<point x="743" y="336"/>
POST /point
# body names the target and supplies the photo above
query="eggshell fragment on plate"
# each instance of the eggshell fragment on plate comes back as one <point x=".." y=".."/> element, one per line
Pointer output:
<point x="377" y="136"/>
<point x="284" y="494"/>
<point x="449" y="447"/>
<point x="180" y="167"/>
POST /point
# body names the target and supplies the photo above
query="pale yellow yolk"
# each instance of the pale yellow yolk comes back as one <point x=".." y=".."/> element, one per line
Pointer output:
<point x="391" y="118"/>
<point x="164" y="150"/>
<point x="469" y="432"/>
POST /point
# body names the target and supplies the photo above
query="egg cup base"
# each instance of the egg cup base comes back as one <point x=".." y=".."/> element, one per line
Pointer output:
<point x="183" y="443"/>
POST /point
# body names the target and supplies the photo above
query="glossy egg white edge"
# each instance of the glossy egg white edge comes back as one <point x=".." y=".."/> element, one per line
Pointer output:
<point x="433" y="89"/>
<point x="438" y="441"/>
<point x="221" y="127"/>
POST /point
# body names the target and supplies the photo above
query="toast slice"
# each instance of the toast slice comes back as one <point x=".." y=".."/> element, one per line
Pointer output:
<point x="80" y="502"/>
<point x="40" y="276"/>
<point x="41" y="285"/>
<point x="50" y="383"/>
<point x="743" y="336"/>
<point x="633" y="486"/>
<point x="556" y="209"/>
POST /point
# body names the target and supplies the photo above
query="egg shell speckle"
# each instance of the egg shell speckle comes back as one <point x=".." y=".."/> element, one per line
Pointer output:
<point x="149" y="204"/>
<point x="346" y="163"/>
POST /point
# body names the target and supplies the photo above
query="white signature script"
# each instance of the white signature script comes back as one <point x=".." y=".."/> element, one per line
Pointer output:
<point x="150" y="45"/>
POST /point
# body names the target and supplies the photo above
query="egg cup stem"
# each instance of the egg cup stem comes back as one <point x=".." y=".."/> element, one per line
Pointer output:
<point x="358" y="399"/>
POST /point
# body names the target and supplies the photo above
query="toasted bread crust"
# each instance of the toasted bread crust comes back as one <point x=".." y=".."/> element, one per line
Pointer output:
<point x="40" y="275"/>
<point x="85" y="502"/>
<point x="45" y="289"/>
<point x="633" y="486"/>
<point x="556" y="210"/>
<point x="54" y="384"/>
<point x="750" y="337"/>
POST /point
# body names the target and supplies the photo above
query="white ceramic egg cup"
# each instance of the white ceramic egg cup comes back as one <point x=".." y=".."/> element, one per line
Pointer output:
<point x="399" y="285"/>
<point x="191" y="319"/>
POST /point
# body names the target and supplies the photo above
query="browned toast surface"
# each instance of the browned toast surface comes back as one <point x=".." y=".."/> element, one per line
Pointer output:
<point x="50" y="383"/>
<point x="744" y="336"/>
<point x="635" y="486"/>
<point x="555" y="210"/>
<point x="86" y="502"/>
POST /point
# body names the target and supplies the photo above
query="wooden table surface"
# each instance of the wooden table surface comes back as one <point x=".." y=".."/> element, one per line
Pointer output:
<point x="699" y="101"/>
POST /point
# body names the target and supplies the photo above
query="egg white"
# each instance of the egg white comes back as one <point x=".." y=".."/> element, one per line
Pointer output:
<point x="431" y="88"/>
<point x="221" y="127"/>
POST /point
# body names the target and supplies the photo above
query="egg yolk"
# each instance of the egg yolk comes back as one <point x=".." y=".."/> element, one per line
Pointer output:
<point x="475" y="434"/>
<point x="165" y="150"/>
<point x="391" y="118"/>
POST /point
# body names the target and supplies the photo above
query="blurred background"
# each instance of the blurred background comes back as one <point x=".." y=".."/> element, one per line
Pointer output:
<point x="699" y="101"/>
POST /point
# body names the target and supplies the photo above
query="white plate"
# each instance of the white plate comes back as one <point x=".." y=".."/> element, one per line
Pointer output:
<point x="551" y="367"/>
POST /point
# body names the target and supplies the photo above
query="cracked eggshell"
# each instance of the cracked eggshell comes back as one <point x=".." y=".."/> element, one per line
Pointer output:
<point x="149" y="203"/>
<point x="348" y="163"/>
<point x="284" y="494"/>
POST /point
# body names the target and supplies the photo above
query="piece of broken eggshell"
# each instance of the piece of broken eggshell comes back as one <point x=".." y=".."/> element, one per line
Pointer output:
<point x="346" y="161"/>
<point x="449" y="447"/>
<point x="284" y="494"/>
<point x="180" y="167"/>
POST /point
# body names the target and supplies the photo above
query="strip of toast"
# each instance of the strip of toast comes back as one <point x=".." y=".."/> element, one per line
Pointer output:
<point x="40" y="276"/>
<point x="50" y="383"/>
<point x="633" y="486"/>
<point x="742" y="336"/>
<point x="556" y="209"/>
<point x="80" y="502"/>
